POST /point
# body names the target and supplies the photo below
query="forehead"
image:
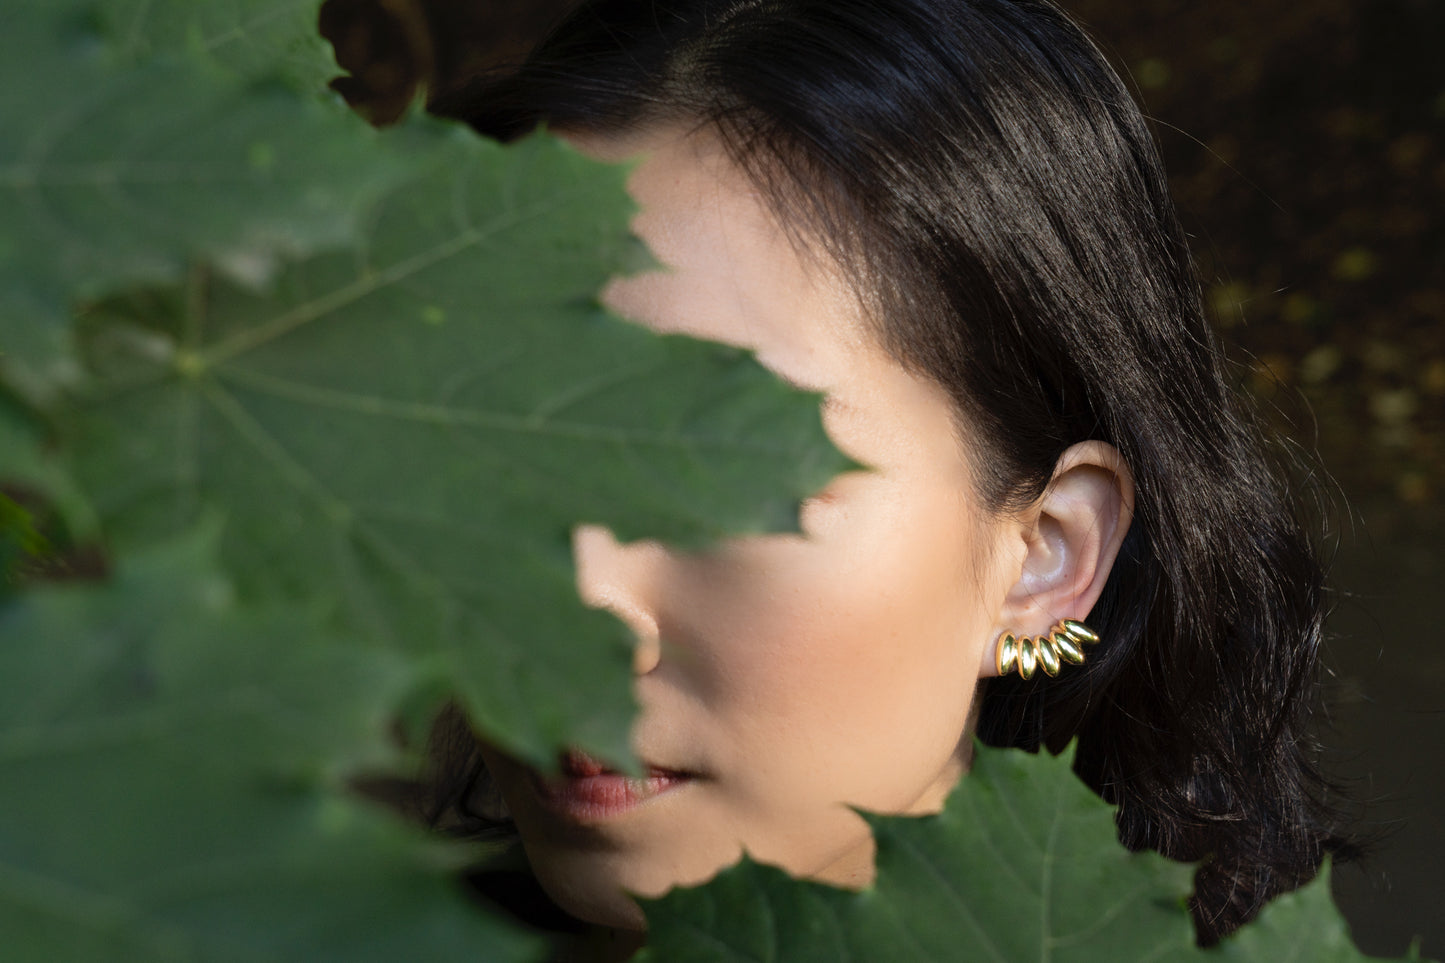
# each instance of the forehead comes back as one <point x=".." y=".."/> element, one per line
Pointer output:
<point x="731" y="273"/>
<point x="730" y="270"/>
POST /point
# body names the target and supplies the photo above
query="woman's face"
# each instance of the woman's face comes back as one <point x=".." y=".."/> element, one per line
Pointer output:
<point x="785" y="678"/>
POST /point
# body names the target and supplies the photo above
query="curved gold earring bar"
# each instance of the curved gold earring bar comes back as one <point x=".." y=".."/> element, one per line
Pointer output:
<point x="1063" y="643"/>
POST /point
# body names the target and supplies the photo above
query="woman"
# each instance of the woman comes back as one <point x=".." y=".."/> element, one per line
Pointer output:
<point x="948" y="217"/>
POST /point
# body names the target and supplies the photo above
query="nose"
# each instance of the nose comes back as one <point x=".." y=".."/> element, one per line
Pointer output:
<point x="617" y="578"/>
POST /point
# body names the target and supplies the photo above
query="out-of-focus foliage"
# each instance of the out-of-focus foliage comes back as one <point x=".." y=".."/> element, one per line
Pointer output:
<point x="273" y="38"/>
<point x="1305" y="149"/>
<point x="119" y="170"/>
<point x="173" y="760"/>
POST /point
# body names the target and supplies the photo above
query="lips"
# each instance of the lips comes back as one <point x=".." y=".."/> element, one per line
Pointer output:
<point x="588" y="791"/>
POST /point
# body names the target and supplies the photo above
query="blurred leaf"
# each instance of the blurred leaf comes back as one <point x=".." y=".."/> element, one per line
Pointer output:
<point x="171" y="785"/>
<point x="1355" y="264"/>
<point x="20" y="543"/>
<point x="1321" y="364"/>
<point x="253" y="38"/>
<point x="26" y="466"/>
<point x="114" y="174"/>
<point x="409" y="434"/>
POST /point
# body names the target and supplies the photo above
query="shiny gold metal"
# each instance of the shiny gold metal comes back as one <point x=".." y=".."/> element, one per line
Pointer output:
<point x="1028" y="657"/>
<point x="1048" y="655"/>
<point x="1069" y="650"/>
<point x="1079" y="631"/>
<point x="1063" y="643"/>
<point x="1008" y="654"/>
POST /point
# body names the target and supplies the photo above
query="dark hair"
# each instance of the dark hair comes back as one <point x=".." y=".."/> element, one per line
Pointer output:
<point x="989" y="182"/>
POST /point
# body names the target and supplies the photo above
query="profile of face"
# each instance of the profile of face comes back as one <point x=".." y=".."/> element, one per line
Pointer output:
<point x="783" y="679"/>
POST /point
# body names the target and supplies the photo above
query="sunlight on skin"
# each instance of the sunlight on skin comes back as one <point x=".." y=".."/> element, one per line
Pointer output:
<point x="784" y="678"/>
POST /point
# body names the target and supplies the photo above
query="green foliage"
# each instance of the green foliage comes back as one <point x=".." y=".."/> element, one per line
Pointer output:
<point x="398" y="435"/>
<point x="1022" y="864"/>
<point x="26" y="467"/>
<point x="391" y="428"/>
<point x="20" y="542"/>
<point x="333" y="401"/>
<point x="173" y="764"/>
<point x="250" y="37"/>
<point x="116" y="172"/>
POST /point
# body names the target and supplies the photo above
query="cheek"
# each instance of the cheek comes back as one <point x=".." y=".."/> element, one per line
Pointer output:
<point x="839" y="668"/>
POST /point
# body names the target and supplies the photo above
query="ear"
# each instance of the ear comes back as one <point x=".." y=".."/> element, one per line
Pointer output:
<point x="1071" y="537"/>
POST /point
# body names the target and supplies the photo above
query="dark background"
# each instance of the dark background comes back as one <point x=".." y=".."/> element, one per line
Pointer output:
<point x="1306" y="150"/>
<point x="1306" y="145"/>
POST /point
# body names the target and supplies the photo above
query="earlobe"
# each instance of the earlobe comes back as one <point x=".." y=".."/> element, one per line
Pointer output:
<point x="1072" y="537"/>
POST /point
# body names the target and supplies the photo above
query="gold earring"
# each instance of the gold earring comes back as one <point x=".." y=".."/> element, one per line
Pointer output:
<point x="1063" y="643"/>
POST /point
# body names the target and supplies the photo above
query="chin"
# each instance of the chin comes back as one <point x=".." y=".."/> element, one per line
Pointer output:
<point x="588" y="891"/>
<point x="598" y="879"/>
<point x="600" y="884"/>
<point x="613" y="909"/>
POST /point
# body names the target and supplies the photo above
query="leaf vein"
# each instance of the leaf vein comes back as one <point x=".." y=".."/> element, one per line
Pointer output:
<point x="441" y="415"/>
<point x="368" y="283"/>
<point x="946" y="885"/>
<point x="266" y="445"/>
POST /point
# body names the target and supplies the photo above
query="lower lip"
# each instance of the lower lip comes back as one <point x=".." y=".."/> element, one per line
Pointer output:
<point x="599" y="796"/>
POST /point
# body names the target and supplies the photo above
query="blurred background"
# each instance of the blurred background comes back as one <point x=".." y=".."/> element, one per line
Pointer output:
<point x="1306" y="146"/>
<point x="1306" y="150"/>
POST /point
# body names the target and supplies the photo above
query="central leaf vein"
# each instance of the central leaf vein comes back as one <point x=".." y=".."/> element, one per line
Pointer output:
<point x="443" y="416"/>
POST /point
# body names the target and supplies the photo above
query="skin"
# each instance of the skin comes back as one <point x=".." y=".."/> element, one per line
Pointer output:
<point x="800" y="675"/>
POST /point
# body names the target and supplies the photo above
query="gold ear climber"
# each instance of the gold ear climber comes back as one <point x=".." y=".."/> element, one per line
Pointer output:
<point x="1063" y="643"/>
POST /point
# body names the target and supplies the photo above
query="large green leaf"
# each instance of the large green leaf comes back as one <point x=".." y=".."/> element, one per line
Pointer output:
<point x="171" y="786"/>
<point x="114" y="174"/>
<point x="409" y="433"/>
<point x="1022" y="864"/>
<point x="251" y="37"/>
